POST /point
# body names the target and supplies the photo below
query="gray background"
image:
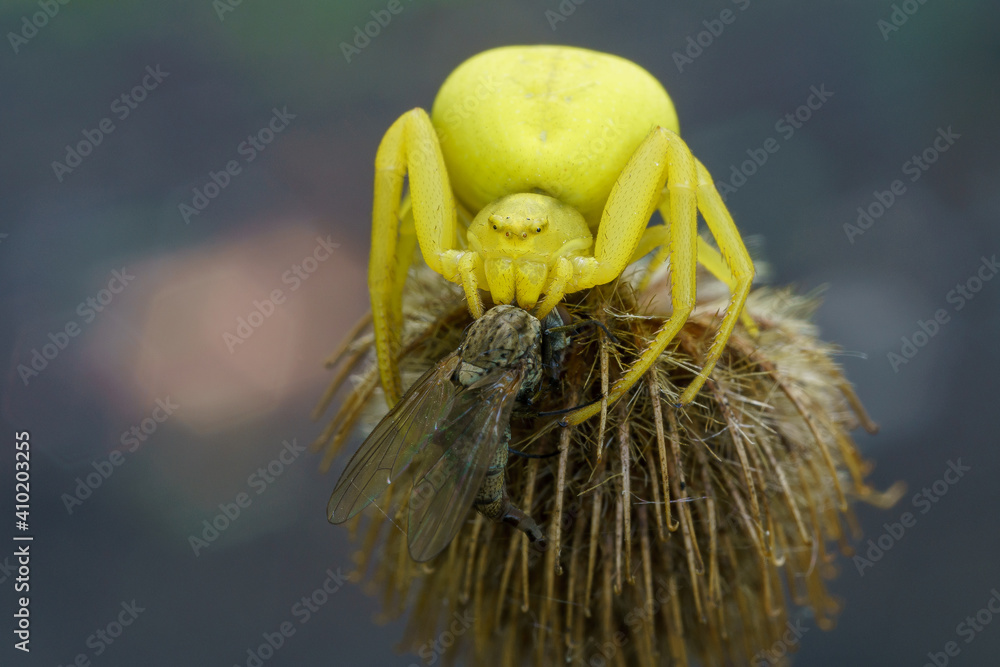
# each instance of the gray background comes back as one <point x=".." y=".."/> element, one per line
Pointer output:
<point x="163" y="335"/>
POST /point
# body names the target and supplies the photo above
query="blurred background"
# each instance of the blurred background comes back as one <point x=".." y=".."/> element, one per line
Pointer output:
<point x="184" y="229"/>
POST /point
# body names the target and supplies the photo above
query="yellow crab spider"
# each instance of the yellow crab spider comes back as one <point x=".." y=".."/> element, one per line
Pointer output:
<point x="559" y="156"/>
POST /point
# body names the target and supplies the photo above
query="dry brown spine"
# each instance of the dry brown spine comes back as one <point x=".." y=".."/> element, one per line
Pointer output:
<point x="684" y="545"/>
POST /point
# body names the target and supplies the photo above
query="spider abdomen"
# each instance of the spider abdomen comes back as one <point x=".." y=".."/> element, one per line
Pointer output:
<point x="552" y="119"/>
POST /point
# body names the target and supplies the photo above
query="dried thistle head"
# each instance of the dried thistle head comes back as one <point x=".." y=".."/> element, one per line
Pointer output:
<point x="673" y="535"/>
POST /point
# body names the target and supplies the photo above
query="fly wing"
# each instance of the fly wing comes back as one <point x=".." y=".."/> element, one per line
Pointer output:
<point x="465" y="443"/>
<point x="399" y="437"/>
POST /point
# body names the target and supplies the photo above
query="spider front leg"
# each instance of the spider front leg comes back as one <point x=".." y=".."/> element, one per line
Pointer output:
<point x="664" y="158"/>
<point x="409" y="148"/>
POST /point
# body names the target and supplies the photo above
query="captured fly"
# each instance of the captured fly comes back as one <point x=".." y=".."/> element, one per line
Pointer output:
<point x="451" y="431"/>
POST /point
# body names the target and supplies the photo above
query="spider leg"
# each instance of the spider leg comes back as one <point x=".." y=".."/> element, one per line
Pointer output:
<point x="409" y="148"/>
<point x="662" y="158"/>
<point x="736" y="257"/>
<point x="708" y="257"/>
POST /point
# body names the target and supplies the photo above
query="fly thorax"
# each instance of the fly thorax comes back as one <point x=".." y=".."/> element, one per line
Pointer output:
<point x="492" y="342"/>
<point x="505" y="336"/>
<point x="468" y="374"/>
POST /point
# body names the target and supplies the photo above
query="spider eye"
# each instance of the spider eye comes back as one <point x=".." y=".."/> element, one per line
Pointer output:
<point x="539" y="230"/>
<point x="494" y="226"/>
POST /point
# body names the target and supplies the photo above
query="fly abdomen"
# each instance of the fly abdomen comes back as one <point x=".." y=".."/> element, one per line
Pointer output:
<point x="492" y="499"/>
<point x="494" y="503"/>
